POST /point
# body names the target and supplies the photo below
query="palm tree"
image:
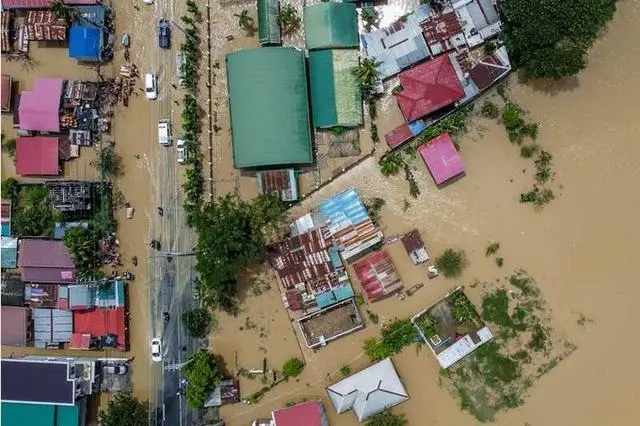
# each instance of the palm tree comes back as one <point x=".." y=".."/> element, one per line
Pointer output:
<point x="370" y="17"/>
<point x="245" y="21"/>
<point x="391" y="163"/>
<point x="288" y="19"/>
<point x="366" y="73"/>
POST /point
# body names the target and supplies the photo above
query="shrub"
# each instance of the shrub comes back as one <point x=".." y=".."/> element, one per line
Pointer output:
<point x="489" y="110"/>
<point x="292" y="368"/>
<point x="451" y="262"/>
<point x="345" y="370"/>
<point x="9" y="186"/>
<point x="492" y="249"/>
<point x="387" y="418"/>
<point x="528" y="151"/>
<point x="512" y="117"/>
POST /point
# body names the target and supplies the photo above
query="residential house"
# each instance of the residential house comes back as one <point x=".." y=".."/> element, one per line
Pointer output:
<point x="414" y="246"/>
<point x="45" y="261"/>
<point x="348" y="224"/>
<point x="442" y="158"/>
<point x="38" y="156"/>
<point x="479" y="19"/>
<point x="311" y="413"/>
<point x="378" y="276"/>
<point x="369" y="391"/>
<point x="16" y="325"/>
<point x="282" y="183"/>
<point x="39" y="108"/>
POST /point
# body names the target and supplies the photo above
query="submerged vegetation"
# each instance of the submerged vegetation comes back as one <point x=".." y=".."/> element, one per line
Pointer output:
<point x="451" y="262"/>
<point x="394" y="337"/>
<point x="554" y="41"/>
<point x="498" y="374"/>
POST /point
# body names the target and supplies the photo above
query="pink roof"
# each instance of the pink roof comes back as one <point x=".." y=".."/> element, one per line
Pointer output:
<point x="45" y="261"/>
<point x="40" y="107"/>
<point x="39" y="4"/>
<point x="14" y="325"/>
<point x="428" y="87"/>
<point x="37" y="156"/>
<point x="305" y="414"/>
<point x="442" y="158"/>
<point x="80" y="341"/>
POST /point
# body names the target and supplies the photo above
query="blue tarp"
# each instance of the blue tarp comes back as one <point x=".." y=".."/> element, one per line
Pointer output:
<point x="417" y="127"/>
<point x="85" y="44"/>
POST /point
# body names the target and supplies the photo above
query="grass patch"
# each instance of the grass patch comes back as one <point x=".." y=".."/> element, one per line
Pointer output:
<point x="373" y="317"/>
<point x="345" y="370"/>
<point x="497" y="375"/>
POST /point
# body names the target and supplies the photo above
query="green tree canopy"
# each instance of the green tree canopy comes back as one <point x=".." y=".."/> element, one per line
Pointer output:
<point x="231" y="235"/>
<point x="387" y="418"/>
<point x="292" y="367"/>
<point x="33" y="216"/>
<point x="203" y="374"/>
<point x="550" y="38"/>
<point x="82" y="244"/>
<point x="124" y="410"/>
<point x="196" y="321"/>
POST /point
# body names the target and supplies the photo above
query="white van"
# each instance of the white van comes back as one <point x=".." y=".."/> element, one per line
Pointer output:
<point x="164" y="132"/>
<point x="151" y="86"/>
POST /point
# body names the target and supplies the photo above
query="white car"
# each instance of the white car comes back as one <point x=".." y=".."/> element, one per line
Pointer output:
<point x="151" y="86"/>
<point x="156" y="350"/>
<point x="148" y="1"/>
<point x="181" y="151"/>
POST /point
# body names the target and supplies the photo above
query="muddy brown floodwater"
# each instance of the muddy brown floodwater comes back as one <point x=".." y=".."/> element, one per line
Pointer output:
<point x="580" y="248"/>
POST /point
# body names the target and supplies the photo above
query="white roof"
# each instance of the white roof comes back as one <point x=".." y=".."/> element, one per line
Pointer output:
<point x="370" y="391"/>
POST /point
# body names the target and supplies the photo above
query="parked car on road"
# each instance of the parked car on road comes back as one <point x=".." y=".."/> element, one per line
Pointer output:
<point x="156" y="350"/>
<point x="164" y="34"/>
<point x="164" y="132"/>
<point x="181" y="151"/>
<point x="151" y="86"/>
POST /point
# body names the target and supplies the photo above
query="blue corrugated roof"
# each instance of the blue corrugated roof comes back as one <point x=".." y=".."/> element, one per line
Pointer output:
<point x="6" y="229"/>
<point x="85" y="43"/>
<point x="325" y="299"/>
<point x="417" y="127"/>
<point x="343" y="292"/>
<point x="110" y="295"/>
<point x="334" y="255"/>
<point x="9" y="252"/>
<point x="344" y="207"/>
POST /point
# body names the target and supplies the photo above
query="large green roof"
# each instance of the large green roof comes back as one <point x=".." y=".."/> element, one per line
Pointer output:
<point x="19" y="414"/>
<point x="269" y="107"/>
<point x="268" y="28"/>
<point x="336" y="99"/>
<point x="331" y="25"/>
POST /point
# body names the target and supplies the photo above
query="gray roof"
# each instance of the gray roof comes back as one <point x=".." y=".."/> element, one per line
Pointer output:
<point x="81" y="297"/>
<point x="41" y="382"/>
<point x="51" y="326"/>
<point x="482" y="13"/>
<point x="370" y="391"/>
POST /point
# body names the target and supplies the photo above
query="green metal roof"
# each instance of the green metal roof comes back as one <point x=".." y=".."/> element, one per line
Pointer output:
<point x="331" y="25"/>
<point x="268" y="28"/>
<point x="19" y="414"/>
<point x="269" y="107"/>
<point x="336" y="99"/>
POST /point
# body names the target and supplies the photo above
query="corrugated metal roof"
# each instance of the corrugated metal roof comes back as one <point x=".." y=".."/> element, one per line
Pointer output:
<point x="307" y="413"/>
<point x="51" y="326"/>
<point x="269" y="110"/>
<point x="336" y="98"/>
<point x="268" y="28"/>
<point x="369" y="391"/>
<point x="9" y="253"/>
<point x="349" y="223"/>
<point x="331" y="25"/>
<point x="12" y="290"/>
<point x="377" y="275"/>
<point x="39" y="4"/>
<point x="280" y="182"/>
<point x="14" y="325"/>
<point x="81" y="297"/>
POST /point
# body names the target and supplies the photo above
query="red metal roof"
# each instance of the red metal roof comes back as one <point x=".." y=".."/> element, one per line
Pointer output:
<point x="441" y="28"/>
<point x="305" y="414"/>
<point x="37" y="156"/>
<point x="39" y="4"/>
<point x="487" y="71"/>
<point x="6" y="27"/>
<point x="301" y="259"/>
<point x="80" y="341"/>
<point x="5" y="210"/>
<point x="6" y="92"/>
<point x="45" y="25"/>
<point x="398" y="135"/>
<point x="100" y="322"/>
<point x="428" y="87"/>
<point x="377" y="275"/>
<point x="412" y="241"/>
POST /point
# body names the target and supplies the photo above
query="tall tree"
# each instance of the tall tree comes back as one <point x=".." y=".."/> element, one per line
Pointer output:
<point x="203" y="373"/>
<point x="124" y="410"/>
<point x="551" y="38"/>
<point x="231" y="235"/>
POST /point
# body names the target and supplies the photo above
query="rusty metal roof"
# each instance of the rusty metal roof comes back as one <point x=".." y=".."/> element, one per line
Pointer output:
<point x="441" y="28"/>
<point x="45" y="25"/>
